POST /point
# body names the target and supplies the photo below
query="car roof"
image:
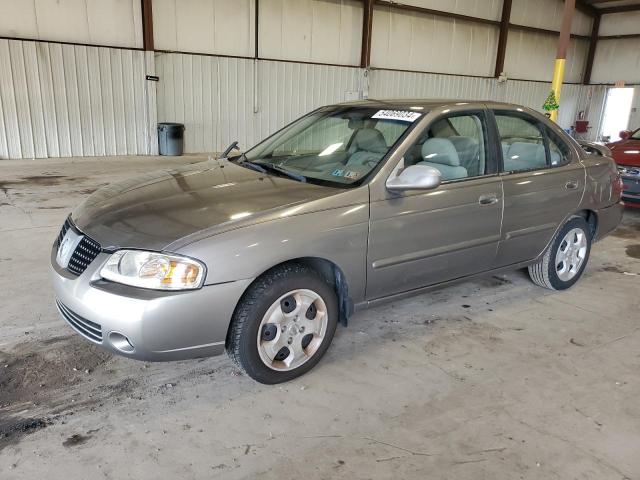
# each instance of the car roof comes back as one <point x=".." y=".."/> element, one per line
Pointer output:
<point x="425" y="103"/>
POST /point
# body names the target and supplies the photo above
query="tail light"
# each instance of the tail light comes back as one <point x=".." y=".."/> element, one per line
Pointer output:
<point x="617" y="186"/>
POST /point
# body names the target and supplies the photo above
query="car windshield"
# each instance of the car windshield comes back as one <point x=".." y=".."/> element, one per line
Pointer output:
<point x="636" y="135"/>
<point x="336" y="146"/>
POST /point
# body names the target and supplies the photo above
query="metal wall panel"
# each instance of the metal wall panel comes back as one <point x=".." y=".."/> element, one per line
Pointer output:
<point x="415" y="41"/>
<point x="617" y="59"/>
<point x="215" y="96"/>
<point x="389" y="84"/>
<point x="327" y="31"/>
<point x="620" y="23"/>
<point x="489" y="9"/>
<point x="548" y="14"/>
<point x="114" y="23"/>
<point x="224" y="27"/>
<point x="531" y="56"/>
<point x="64" y="100"/>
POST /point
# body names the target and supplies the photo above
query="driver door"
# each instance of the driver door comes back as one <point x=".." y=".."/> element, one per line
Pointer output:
<point x="424" y="237"/>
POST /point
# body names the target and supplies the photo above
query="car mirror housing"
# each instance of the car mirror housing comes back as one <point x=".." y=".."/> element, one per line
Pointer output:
<point x="625" y="134"/>
<point x="415" y="177"/>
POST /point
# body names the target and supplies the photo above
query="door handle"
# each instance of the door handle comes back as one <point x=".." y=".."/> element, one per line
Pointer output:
<point x="488" y="199"/>
<point x="571" y="185"/>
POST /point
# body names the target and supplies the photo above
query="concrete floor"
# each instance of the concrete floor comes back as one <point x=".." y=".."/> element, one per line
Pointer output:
<point x="494" y="379"/>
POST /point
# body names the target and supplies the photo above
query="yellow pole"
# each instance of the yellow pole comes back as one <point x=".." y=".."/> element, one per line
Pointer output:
<point x="561" y="54"/>
<point x="556" y="84"/>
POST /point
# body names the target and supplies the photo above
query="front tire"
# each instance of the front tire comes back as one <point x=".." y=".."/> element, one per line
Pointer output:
<point x="564" y="261"/>
<point x="283" y="324"/>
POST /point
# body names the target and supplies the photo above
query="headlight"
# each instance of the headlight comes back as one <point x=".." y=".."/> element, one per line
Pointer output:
<point x="153" y="270"/>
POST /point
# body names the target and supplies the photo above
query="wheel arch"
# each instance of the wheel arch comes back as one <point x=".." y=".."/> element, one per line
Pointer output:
<point x="330" y="271"/>
<point x="591" y="217"/>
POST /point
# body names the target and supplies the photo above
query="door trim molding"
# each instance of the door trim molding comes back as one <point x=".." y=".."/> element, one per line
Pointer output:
<point x="433" y="252"/>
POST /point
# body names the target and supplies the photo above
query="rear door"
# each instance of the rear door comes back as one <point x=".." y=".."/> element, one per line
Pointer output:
<point x="543" y="182"/>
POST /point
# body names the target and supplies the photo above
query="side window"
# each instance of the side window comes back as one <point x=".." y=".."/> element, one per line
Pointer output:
<point x="455" y="145"/>
<point x="558" y="150"/>
<point x="522" y="142"/>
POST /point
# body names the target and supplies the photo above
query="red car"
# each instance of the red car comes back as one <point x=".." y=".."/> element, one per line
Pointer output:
<point x="626" y="153"/>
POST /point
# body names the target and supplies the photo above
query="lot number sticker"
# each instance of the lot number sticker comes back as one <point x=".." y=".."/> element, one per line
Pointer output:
<point x="401" y="115"/>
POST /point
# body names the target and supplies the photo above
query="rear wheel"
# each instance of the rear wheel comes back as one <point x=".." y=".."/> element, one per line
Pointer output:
<point x="566" y="258"/>
<point x="283" y="324"/>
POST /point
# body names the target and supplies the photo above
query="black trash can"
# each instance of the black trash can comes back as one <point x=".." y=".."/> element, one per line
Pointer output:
<point x="170" y="138"/>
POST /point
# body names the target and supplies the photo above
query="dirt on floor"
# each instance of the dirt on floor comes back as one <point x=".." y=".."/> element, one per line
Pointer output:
<point x="493" y="378"/>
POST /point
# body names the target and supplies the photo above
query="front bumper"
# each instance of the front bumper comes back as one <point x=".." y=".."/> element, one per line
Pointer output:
<point x="631" y="191"/>
<point x="158" y="325"/>
<point x="631" y="185"/>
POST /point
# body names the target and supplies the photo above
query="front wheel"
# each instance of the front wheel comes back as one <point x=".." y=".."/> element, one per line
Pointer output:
<point x="283" y="324"/>
<point x="566" y="258"/>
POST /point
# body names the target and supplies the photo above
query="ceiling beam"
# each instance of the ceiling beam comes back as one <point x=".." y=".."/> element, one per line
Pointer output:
<point x="502" y="39"/>
<point x="526" y="28"/>
<point x="147" y="25"/>
<point x="591" y="54"/>
<point x="586" y="8"/>
<point x="367" y="27"/>
<point x="623" y="8"/>
<point x="618" y="37"/>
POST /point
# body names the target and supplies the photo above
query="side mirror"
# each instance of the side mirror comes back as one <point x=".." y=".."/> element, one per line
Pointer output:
<point x="624" y="134"/>
<point x="415" y="177"/>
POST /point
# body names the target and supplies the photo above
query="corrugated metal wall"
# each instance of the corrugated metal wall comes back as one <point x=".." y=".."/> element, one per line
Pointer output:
<point x="212" y="26"/>
<point x="617" y="59"/>
<point x="65" y="100"/>
<point x="415" y="41"/>
<point x="215" y="97"/>
<point x="390" y="84"/>
<point x="324" y="31"/>
<point x="117" y="23"/>
<point x="62" y="100"/>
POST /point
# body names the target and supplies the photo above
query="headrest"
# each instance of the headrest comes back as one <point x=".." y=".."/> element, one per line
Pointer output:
<point x="369" y="140"/>
<point x="463" y="143"/>
<point x="440" y="150"/>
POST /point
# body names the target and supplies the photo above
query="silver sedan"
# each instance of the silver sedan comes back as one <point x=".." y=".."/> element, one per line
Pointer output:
<point x="264" y="253"/>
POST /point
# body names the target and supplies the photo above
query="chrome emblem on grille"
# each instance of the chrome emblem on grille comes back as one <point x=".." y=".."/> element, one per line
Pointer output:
<point x="67" y="247"/>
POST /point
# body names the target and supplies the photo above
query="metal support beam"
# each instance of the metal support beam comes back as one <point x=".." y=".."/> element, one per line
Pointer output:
<point x="593" y="43"/>
<point x="586" y="8"/>
<point x="256" y="49"/>
<point x="367" y="25"/>
<point x="147" y="25"/>
<point x="620" y="9"/>
<point x="526" y="28"/>
<point x="502" y="39"/>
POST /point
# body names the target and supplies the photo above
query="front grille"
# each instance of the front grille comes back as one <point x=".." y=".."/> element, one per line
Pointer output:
<point x="84" y="327"/>
<point x="86" y="251"/>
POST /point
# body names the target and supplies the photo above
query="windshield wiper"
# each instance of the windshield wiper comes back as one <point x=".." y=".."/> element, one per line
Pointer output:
<point x="283" y="171"/>
<point x="263" y="167"/>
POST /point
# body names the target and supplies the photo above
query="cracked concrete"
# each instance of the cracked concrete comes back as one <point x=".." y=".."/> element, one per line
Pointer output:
<point x="494" y="378"/>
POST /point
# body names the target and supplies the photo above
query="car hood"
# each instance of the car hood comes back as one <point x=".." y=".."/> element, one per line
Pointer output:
<point x="626" y="152"/>
<point x="155" y="210"/>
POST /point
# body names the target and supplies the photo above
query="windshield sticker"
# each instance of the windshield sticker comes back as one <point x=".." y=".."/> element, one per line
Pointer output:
<point x="346" y="174"/>
<point x="401" y="115"/>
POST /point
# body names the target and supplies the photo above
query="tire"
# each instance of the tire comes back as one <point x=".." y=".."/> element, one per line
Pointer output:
<point x="284" y="331"/>
<point x="553" y="270"/>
